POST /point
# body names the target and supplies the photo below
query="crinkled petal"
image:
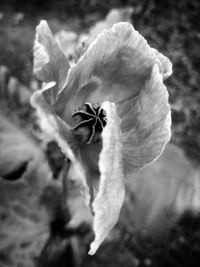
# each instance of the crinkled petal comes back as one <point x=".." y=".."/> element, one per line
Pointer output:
<point x="41" y="58"/>
<point x="110" y="197"/>
<point x="120" y="61"/>
<point x="164" y="64"/>
<point x="144" y="143"/>
<point x="114" y="16"/>
<point x="61" y="132"/>
<point x="50" y="63"/>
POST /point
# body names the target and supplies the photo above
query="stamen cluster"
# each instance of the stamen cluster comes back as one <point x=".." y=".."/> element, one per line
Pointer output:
<point x="89" y="122"/>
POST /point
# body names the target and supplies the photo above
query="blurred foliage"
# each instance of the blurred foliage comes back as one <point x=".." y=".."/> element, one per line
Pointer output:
<point x="170" y="26"/>
<point x="69" y="7"/>
<point x="180" y="248"/>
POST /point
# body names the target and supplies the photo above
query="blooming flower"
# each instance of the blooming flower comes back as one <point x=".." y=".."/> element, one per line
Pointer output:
<point x="109" y="113"/>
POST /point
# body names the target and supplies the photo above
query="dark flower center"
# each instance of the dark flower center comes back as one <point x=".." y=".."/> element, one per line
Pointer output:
<point x="89" y="122"/>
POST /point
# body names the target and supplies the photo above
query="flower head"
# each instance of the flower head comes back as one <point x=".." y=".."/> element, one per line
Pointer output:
<point x="109" y="113"/>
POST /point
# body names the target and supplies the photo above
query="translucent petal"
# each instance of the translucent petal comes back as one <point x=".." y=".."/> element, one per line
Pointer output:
<point x="120" y="60"/>
<point x="61" y="132"/>
<point x="65" y="108"/>
<point x="67" y="41"/>
<point x="50" y="63"/>
<point x="164" y="64"/>
<point x="114" y="16"/>
<point x="146" y="141"/>
<point x="41" y="58"/>
<point x="110" y="197"/>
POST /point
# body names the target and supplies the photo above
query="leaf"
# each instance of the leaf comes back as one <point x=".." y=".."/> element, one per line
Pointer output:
<point x="110" y="197"/>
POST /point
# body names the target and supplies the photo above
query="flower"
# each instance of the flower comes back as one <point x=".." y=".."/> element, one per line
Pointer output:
<point x="122" y="118"/>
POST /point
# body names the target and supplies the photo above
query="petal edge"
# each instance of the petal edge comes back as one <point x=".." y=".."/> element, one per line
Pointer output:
<point x="50" y="63"/>
<point x="109" y="199"/>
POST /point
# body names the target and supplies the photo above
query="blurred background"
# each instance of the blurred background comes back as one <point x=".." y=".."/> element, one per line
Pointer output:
<point x="160" y="221"/>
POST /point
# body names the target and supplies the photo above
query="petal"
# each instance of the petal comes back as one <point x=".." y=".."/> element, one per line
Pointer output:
<point x="61" y="132"/>
<point x="120" y="60"/>
<point x="67" y="41"/>
<point x="129" y="110"/>
<point x="65" y="108"/>
<point x="114" y="16"/>
<point x="164" y="64"/>
<point x="144" y="143"/>
<point x="109" y="199"/>
<point x="50" y="63"/>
